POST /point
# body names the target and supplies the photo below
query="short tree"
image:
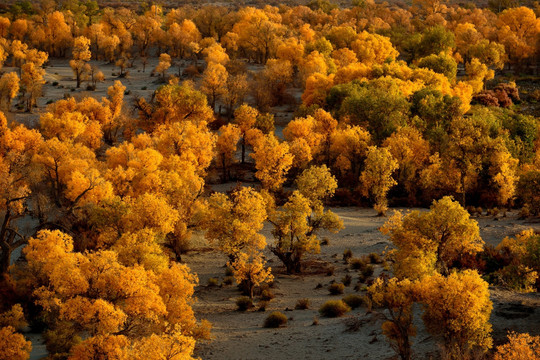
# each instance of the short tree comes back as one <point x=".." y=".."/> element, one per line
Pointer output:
<point x="81" y="56"/>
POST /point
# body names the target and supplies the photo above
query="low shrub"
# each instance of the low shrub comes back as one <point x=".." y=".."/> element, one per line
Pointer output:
<point x="368" y="270"/>
<point x="347" y="254"/>
<point x="262" y="305"/>
<point x="267" y="295"/>
<point x="228" y="280"/>
<point x="336" y="289"/>
<point x="213" y="282"/>
<point x="330" y="271"/>
<point x="375" y="258"/>
<point x="357" y="263"/>
<point x="353" y="301"/>
<point x="244" y="303"/>
<point x="302" y="304"/>
<point x="275" y="320"/>
<point x="334" y="308"/>
<point x="346" y="280"/>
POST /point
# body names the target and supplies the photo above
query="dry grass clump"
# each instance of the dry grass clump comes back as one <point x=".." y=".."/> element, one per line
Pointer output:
<point x="334" y="308"/>
<point x="275" y="320"/>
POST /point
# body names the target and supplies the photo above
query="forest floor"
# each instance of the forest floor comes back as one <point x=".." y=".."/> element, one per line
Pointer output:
<point x="240" y="335"/>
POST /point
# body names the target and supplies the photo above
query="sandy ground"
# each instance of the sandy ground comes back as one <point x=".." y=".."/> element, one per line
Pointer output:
<point x="240" y="335"/>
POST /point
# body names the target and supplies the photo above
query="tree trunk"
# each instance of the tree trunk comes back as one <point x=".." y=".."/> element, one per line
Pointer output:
<point x="463" y="192"/>
<point x="5" y="257"/>
<point x="243" y="149"/>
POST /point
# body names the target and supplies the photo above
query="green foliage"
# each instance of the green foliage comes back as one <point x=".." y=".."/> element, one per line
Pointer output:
<point x="528" y="190"/>
<point x="435" y="112"/>
<point x="377" y="105"/>
<point x="323" y="5"/>
<point x="441" y="63"/>
<point x="435" y="40"/>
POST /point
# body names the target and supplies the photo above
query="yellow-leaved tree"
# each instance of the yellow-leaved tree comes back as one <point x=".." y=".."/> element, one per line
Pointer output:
<point x="103" y="298"/>
<point x="272" y="161"/>
<point x="376" y="179"/>
<point x="249" y="270"/>
<point x="519" y="346"/>
<point x="234" y="221"/>
<point x="456" y="311"/>
<point x="432" y="241"/>
<point x="81" y="56"/>
<point x="303" y="216"/>
<point x="397" y="297"/>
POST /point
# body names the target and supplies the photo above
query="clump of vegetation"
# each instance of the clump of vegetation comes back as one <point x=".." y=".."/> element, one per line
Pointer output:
<point x="267" y="295"/>
<point x="302" y="304"/>
<point x="244" y="303"/>
<point x="275" y="319"/>
<point x="353" y="301"/>
<point x="357" y="263"/>
<point x="262" y="305"/>
<point x="213" y="282"/>
<point x="334" y="308"/>
<point x="228" y="280"/>
<point x="346" y="280"/>
<point x="330" y="271"/>
<point x="367" y="271"/>
<point x="336" y="288"/>
<point x="347" y="254"/>
<point x="375" y="258"/>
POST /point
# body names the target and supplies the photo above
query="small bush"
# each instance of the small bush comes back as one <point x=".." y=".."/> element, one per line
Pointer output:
<point x="347" y="254"/>
<point x="346" y="280"/>
<point x="90" y="88"/>
<point x="353" y="301"/>
<point x="325" y="242"/>
<point x="144" y="88"/>
<point x="55" y="83"/>
<point x="229" y="271"/>
<point x="336" y="289"/>
<point x="267" y="295"/>
<point x="334" y="308"/>
<point x="275" y="320"/>
<point x="244" y="303"/>
<point x="368" y="270"/>
<point x="357" y="263"/>
<point x="315" y="321"/>
<point x="50" y="101"/>
<point x="516" y="277"/>
<point x="213" y="282"/>
<point x="330" y="271"/>
<point x="228" y="280"/>
<point x="262" y="305"/>
<point x="375" y="258"/>
<point x="302" y="304"/>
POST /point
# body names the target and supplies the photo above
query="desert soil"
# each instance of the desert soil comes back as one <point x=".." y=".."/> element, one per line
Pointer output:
<point x="240" y="335"/>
